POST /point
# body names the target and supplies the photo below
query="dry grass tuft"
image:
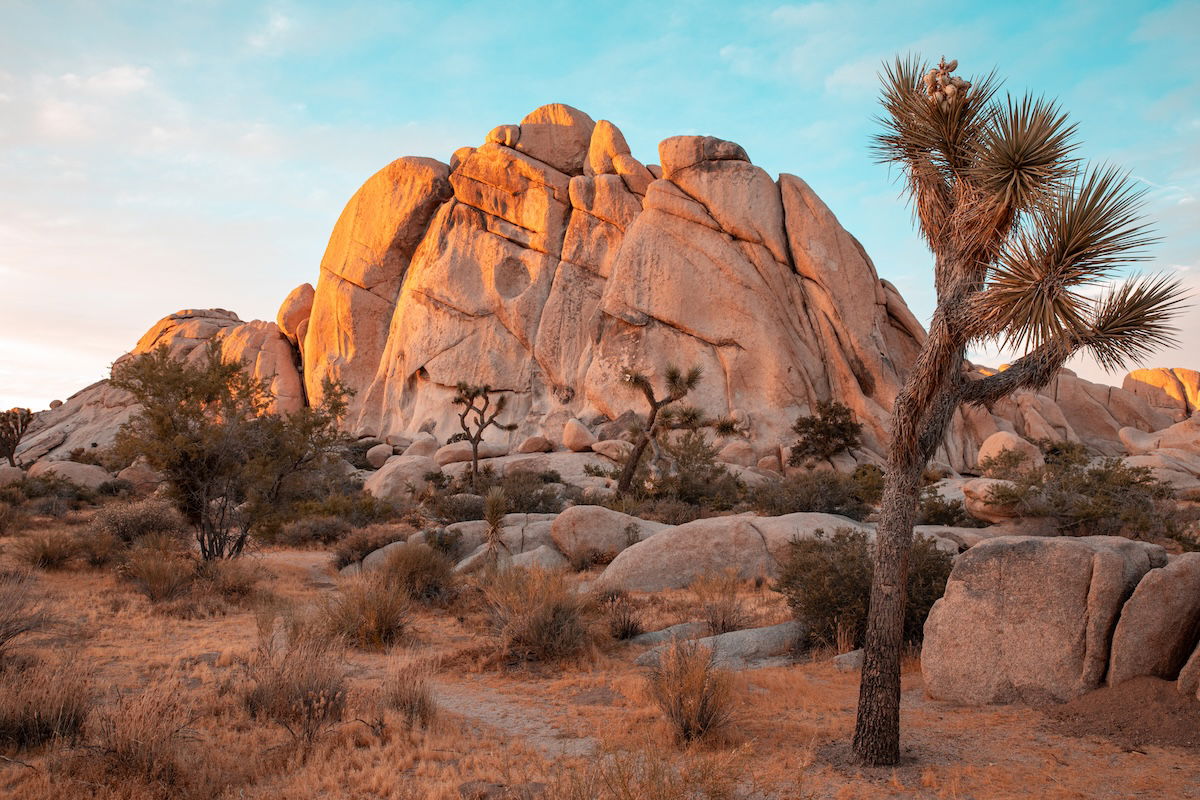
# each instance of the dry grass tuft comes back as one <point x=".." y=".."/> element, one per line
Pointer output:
<point x="621" y="615"/>
<point x="367" y="611"/>
<point x="406" y="690"/>
<point x="140" y="737"/>
<point x="130" y="523"/>
<point x="49" y="550"/>
<point x="693" y="693"/>
<point x="161" y="575"/>
<point x="21" y="610"/>
<point x="536" y="615"/>
<point x="420" y="573"/>
<point x="717" y="595"/>
<point x="43" y="702"/>
<point x="648" y="774"/>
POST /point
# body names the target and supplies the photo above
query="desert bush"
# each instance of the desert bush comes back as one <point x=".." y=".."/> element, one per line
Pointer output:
<point x="118" y="487"/>
<point x="621" y="615"/>
<point x="22" y="610"/>
<point x="459" y="500"/>
<point x="357" y="509"/>
<point x="319" y="530"/>
<point x="48" y="495"/>
<point x="695" y="696"/>
<point x="536" y="615"/>
<point x="12" y="519"/>
<point x="868" y="483"/>
<point x="1006" y="465"/>
<point x="720" y="606"/>
<point x="49" y="550"/>
<point x="295" y="679"/>
<point x="366" y="612"/>
<point x="420" y="573"/>
<point x="697" y="478"/>
<point x="43" y="702"/>
<point x="933" y="509"/>
<point x="233" y="581"/>
<point x="665" y="510"/>
<point x="159" y="573"/>
<point x="131" y="522"/>
<point x="827" y="583"/>
<point x="407" y="691"/>
<point x="1103" y="497"/>
<point x="140" y="737"/>
<point x="360" y="543"/>
<point x="99" y="549"/>
<point x="830" y="431"/>
<point x="820" y="491"/>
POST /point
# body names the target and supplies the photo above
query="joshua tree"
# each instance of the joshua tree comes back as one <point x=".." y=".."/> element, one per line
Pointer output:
<point x="679" y="384"/>
<point x="477" y="400"/>
<point x="13" y="424"/>
<point x="1019" y="231"/>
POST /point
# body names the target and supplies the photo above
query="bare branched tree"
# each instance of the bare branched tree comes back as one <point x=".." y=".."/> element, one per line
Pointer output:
<point x="478" y="414"/>
<point x="1020" y="231"/>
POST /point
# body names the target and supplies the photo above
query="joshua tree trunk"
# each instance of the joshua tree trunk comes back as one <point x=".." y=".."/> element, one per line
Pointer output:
<point x="630" y="469"/>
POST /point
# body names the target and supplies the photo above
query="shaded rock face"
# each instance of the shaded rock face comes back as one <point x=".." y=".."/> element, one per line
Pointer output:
<point x="1159" y="627"/>
<point x="1030" y="619"/>
<point x="548" y="261"/>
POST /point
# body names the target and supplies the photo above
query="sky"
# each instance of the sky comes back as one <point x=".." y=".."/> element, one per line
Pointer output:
<point x="164" y="155"/>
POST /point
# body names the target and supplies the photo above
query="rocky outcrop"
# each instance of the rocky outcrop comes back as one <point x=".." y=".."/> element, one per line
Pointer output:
<point x="1173" y="391"/>
<point x="744" y="649"/>
<point x="89" y="476"/>
<point x="1030" y="619"/>
<point x="1159" y="627"/>
<point x="594" y="533"/>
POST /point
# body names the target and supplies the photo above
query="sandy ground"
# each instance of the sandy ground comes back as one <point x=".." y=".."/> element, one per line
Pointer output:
<point x="516" y="726"/>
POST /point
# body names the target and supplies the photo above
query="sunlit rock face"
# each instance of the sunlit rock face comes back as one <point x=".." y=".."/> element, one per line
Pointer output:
<point x="549" y="260"/>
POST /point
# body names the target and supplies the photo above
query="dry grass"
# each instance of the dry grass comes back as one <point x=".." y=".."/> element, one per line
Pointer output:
<point x="140" y="737"/>
<point x="649" y="774"/>
<point x="132" y="522"/>
<point x="43" y="701"/>
<point x="695" y="695"/>
<point x="536" y="615"/>
<point x="159" y="574"/>
<point x="719" y="602"/>
<point x="366" y="611"/>
<point x="420" y="573"/>
<point x="621" y="615"/>
<point x="361" y="542"/>
<point x="51" y="549"/>
<point x="406" y="690"/>
<point x="22" y="610"/>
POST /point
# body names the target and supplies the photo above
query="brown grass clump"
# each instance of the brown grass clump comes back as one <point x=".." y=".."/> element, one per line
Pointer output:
<point x="297" y="680"/>
<point x="235" y="581"/>
<point x="132" y="522"/>
<point x="140" y="737"/>
<point x="420" y="573"/>
<point x="648" y="774"/>
<point x="50" y="550"/>
<point x="367" y="611"/>
<point x="720" y="605"/>
<point x="161" y="575"/>
<point x="693" y="693"/>
<point x="406" y="690"/>
<point x="623" y="619"/>
<point x="99" y="549"/>
<point x="42" y="702"/>
<point x="12" y="519"/>
<point x="536" y="615"/>
<point x="21" y="610"/>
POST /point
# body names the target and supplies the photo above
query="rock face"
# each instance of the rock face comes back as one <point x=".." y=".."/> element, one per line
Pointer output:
<point x="87" y="475"/>
<point x="1173" y="391"/>
<point x="1160" y="625"/>
<point x="1030" y="619"/>
<point x="401" y="477"/>
<point x="548" y="261"/>
<point x="1005" y="441"/>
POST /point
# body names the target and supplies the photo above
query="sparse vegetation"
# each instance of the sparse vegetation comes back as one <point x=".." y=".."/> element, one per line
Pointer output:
<point x="367" y="611"/>
<point x="407" y="690"/>
<point x="720" y="606"/>
<point x="830" y="431"/>
<point x="536" y="616"/>
<point x="131" y="522"/>
<point x="160" y="573"/>
<point x="43" y="701"/>
<point x="22" y="610"/>
<point x="359" y="544"/>
<point x="50" y="550"/>
<point x="419" y="572"/>
<point x="479" y="413"/>
<point x="937" y="510"/>
<point x="817" y="491"/>
<point x="694" y="695"/>
<point x="621" y="615"/>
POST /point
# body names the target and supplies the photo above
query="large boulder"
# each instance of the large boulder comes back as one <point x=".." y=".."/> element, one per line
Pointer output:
<point x="979" y="502"/>
<point x="89" y="476"/>
<point x="460" y="451"/>
<point x="576" y="437"/>
<point x="744" y="649"/>
<point x="597" y="533"/>
<point x="294" y="312"/>
<point x="401" y="478"/>
<point x="1005" y="441"/>
<point x="558" y="135"/>
<point x="1160" y="624"/>
<point x="1030" y="619"/>
<point x="378" y="455"/>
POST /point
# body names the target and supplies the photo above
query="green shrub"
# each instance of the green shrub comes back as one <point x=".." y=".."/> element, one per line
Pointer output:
<point x="830" y="431"/>
<point x="456" y="500"/>
<point x="318" y="530"/>
<point x="537" y="616"/>
<point x="132" y="522"/>
<point x="698" y="479"/>
<point x="819" y="491"/>
<point x="827" y="583"/>
<point x="933" y="509"/>
<point x="693" y="693"/>
<point x="419" y="572"/>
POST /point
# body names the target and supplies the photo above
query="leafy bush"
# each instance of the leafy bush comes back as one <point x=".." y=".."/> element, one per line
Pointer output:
<point x="1106" y="497"/>
<point x="698" y="479"/>
<point x="827" y="583"/>
<point x="21" y="609"/>
<point x="933" y="509"/>
<point x="868" y="483"/>
<point x="820" y="491"/>
<point x="693" y="693"/>
<point x="536" y="615"/>
<point x="458" y="500"/>
<point x="720" y="606"/>
<point x="297" y="680"/>
<point x="319" y="530"/>
<point x="45" y="549"/>
<point x="419" y="572"/>
<point x="43" y="702"/>
<point x="366" y="612"/>
<point x="132" y="522"/>
<point x="358" y="544"/>
<point x="357" y="509"/>
<point x="830" y="431"/>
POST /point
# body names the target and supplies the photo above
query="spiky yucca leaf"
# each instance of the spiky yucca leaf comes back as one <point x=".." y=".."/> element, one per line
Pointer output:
<point x="1024" y="154"/>
<point x="1132" y="320"/>
<point x="679" y="383"/>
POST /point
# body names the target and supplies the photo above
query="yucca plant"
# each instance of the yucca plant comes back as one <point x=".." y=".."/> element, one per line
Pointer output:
<point x="479" y="412"/>
<point x="1020" y="232"/>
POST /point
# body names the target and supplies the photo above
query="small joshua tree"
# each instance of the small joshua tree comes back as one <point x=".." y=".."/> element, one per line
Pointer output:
<point x="830" y="431"/>
<point x="13" y="424"/>
<point x="679" y="384"/>
<point x="478" y="414"/>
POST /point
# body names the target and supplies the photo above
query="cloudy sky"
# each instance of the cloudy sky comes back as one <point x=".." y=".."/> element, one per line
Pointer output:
<point x="165" y="155"/>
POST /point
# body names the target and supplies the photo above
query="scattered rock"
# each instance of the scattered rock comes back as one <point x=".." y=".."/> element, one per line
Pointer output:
<point x="576" y="437"/>
<point x="594" y="532"/>
<point x="86" y="475"/>
<point x="457" y="452"/>
<point x="684" y="630"/>
<point x="535" y="444"/>
<point x="740" y="452"/>
<point x="424" y="445"/>
<point x="977" y="496"/>
<point x="544" y="557"/>
<point x="848" y="662"/>
<point x="378" y="455"/>
<point x="616" y="449"/>
<point x="143" y="477"/>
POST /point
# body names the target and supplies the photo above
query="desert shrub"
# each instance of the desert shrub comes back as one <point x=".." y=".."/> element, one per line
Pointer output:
<point x="1006" y="464"/>
<point x="407" y="691"/>
<point x="420" y="572"/>
<point x="933" y="509"/>
<point x="324" y="529"/>
<point x="140" y="737"/>
<point x="43" y="702"/>
<point x="48" y="495"/>
<point x="233" y="581"/>
<point x="12" y="519"/>
<point x="536" y="615"/>
<point x="99" y="549"/>
<point x="665" y="510"/>
<point x="827" y="583"/>
<point x="446" y="542"/>
<point x="45" y="549"/>
<point x="695" y="696"/>
<point x="132" y="522"/>
<point x="159" y="573"/>
<point x="118" y="487"/>
<point x="1105" y="497"/>
<point x="459" y="500"/>
<point x="366" y="612"/>
<point x="358" y="544"/>
<point x="821" y="491"/>
<point x="830" y="431"/>
<point x="357" y="509"/>
<point x="697" y="478"/>
<point x="355" y="452"/>
<point x="868" y="483"/>
<point x="621" y="615"/>
<point x="22" y="610"/>
<point x="295" y="679"/>
<point x="720" y="606"/>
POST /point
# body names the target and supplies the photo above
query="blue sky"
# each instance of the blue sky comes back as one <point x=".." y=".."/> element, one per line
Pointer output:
<point x="158" y="156"/>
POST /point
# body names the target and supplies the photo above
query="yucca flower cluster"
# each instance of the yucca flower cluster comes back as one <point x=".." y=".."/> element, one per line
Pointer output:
<point x="944" y="88"/>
